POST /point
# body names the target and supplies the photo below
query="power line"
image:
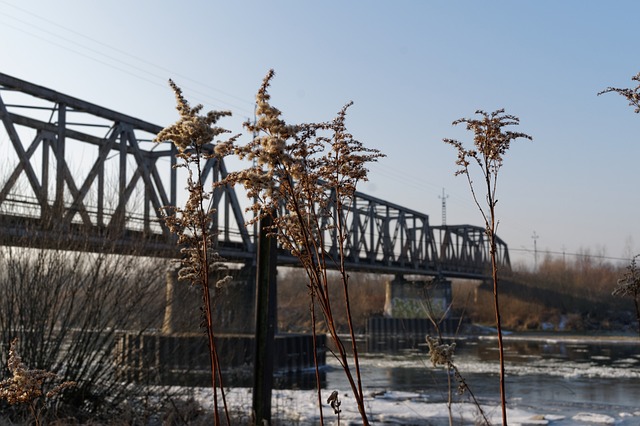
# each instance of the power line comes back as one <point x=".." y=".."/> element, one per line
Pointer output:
<point x="117" y="60"/>
<point x="564" y="253"/>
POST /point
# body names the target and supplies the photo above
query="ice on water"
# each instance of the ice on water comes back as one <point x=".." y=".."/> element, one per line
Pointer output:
<point x="406" y="408"/>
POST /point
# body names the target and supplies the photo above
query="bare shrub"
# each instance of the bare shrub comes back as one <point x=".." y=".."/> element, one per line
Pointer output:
<point x="629" y="286"/>
<point x="367" y="300"/>
<point x="67" y="310"/>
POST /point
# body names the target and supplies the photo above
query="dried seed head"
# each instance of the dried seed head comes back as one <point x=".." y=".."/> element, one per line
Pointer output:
<point x="440" y="353"/>
<point x="26" y="385"/>
<point x="632" y="95"/>
<point x="335" y="402"/>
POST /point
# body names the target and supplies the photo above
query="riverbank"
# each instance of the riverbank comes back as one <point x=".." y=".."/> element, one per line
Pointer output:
<point x="484" y="332"/>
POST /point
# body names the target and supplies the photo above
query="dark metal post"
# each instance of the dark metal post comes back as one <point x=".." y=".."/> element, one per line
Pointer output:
<point x="266" y="324"/>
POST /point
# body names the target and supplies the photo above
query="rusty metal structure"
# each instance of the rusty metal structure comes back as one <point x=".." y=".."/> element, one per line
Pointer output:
<point x="78" y="176"/>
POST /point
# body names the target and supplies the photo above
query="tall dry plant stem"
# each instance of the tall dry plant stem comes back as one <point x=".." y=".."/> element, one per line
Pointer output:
<point x="629" y="284"/>
<point x="490" y="142"/>
<point x="308" y="172"/>
<point x="192" y="135"/>
<point x="441" y="353"/>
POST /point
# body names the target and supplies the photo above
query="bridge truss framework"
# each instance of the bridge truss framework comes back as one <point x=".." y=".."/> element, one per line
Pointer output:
<point x="80" y="176"/>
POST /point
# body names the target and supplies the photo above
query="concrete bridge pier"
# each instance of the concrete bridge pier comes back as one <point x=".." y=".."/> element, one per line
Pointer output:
<point x="232" y="303"/>
<point x="182" y="302"/>
<point x="180" y="356"/>
<point x="411" y="310"/>
<point x="417" y="299"/>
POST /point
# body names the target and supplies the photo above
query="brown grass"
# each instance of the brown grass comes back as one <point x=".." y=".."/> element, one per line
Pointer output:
<point x="573" y="292"/>
<point x="367" y="299"/>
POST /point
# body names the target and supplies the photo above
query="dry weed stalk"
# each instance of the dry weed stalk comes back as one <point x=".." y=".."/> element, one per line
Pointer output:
<point x="629" y="284"/>
<point x="334" y="402"/>
<point x="441" y="353"/>
<point x="632" y="95"/>
<point x="27" y="386"/>
<point x="308" y="173"/>
<point x="192" y="135"/>
<point x="490" y="142"/>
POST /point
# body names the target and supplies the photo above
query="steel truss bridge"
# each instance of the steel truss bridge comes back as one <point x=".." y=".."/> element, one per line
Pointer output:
<point x="77" y="176"/>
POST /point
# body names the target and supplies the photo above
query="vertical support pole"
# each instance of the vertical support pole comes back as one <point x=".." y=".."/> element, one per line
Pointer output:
<point x="266" y="322"/>
<point x="119" y="216"/>
<point x="215" y="218"/>
<point x="123" y="169"/>
<point x="44" y="209"/>
<point x="100" y="201"/>
<point x="60" y="159"/>
<point x="147" y="199"/>
<point x="173" y="196"/>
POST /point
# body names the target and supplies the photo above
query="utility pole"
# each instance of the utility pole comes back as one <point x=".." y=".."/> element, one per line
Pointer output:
<point x="535" y="250"/>
<point x="266" y="323"/>
<point x="444" y="207"/>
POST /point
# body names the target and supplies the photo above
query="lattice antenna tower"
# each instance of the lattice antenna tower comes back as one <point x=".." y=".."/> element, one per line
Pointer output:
<point x="444" y="197"/>
<point x="535" y="249"/>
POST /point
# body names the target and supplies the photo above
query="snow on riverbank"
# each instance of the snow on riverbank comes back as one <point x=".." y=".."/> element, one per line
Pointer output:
<point x="300" y="407"/>
<point x="402" y="408"/>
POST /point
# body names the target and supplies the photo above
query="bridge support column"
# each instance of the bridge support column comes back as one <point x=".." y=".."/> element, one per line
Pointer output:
<point x="417" y="299"/>
<point x="233" y="303"/>
<point x="183" y="301"/>
<point x="169" y="289"/>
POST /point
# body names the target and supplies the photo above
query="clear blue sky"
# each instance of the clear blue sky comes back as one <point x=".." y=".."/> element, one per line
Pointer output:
<point x="410" y="67"/>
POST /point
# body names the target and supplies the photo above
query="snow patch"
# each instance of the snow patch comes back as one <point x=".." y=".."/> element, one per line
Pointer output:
<point x="393" y="407"/>
<point x="594" y="418"/>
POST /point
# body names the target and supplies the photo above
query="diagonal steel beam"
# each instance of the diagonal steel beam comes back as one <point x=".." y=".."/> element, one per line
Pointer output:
<point x="78" y="200"/>
<point x="17" y="171"/>
<point x="71" y="184"/>
<point x="144" y="167"/>
<point x="22" y="155"/>
<point x="116" y="224"/>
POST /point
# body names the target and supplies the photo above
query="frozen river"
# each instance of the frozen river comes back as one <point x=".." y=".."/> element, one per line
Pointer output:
<point x="550" y="380"/>
<point x="547" y="376"/>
